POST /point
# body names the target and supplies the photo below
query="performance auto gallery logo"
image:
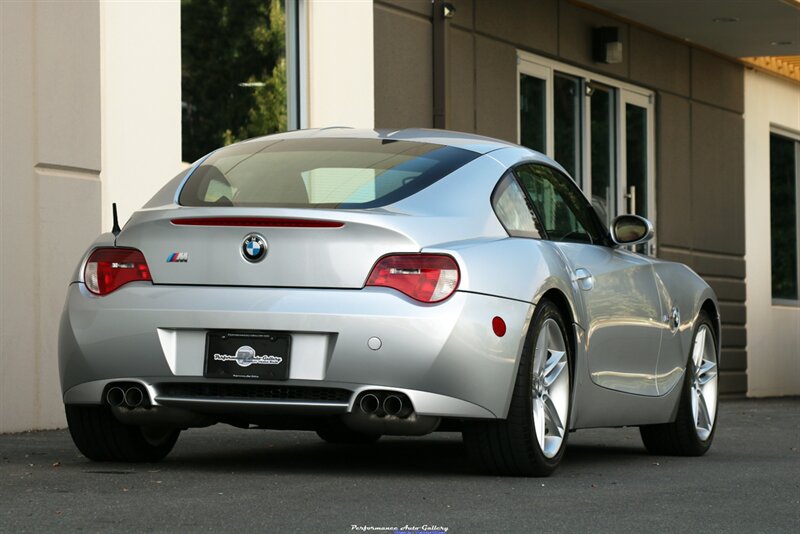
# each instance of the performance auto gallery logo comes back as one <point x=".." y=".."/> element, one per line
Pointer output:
<point x="406" y="529"/>
<point x="246" y="356"/>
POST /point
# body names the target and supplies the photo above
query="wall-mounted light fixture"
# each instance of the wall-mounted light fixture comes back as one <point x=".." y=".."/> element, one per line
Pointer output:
<point x="448" y="10"/>
<point x="606" y="46"/>
<point x="724" y="20"/>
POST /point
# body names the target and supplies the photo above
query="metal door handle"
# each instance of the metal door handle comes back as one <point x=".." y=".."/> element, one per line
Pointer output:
<point x="631" y="196"/>
<point x="584" y="279"/>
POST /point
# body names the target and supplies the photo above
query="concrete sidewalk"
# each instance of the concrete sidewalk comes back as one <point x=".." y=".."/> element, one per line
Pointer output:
<point x="224" y="478"/>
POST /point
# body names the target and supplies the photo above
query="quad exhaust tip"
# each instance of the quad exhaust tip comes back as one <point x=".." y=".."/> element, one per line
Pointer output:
<point x="386" y="412"/>
<point x="128" y="397"/>
<point x="369" y="403"/>
<point x="115" y="396"/>
<point x="383" y="403"/>
<point x="394" y="405"/>
<point x="134" y="396"/>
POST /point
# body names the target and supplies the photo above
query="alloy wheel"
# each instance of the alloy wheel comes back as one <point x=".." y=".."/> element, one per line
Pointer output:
<point x="550" y="388"/>
<point x="704" y="382"/>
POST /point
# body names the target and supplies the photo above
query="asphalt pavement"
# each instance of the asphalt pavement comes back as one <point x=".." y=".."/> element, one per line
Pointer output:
<point x="226" y="479"/>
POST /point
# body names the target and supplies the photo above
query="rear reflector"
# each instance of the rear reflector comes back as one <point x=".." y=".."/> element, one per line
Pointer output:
<point x="263" y="222"/>
<point x="423" y="277"/>
<point x="499" y="326"/>
<point x="107" y="269"/>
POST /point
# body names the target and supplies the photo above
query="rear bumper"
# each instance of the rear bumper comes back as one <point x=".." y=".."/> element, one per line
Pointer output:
<point x="444" y="357"/>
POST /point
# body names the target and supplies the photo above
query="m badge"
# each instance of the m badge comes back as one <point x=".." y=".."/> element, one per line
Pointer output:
<point x="178" y="257"/>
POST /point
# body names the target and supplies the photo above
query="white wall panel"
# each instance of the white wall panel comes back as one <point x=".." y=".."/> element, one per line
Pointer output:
<point x="341" y="86"/>
<point x="773" y="330"/>
<point x="89" y="113"/>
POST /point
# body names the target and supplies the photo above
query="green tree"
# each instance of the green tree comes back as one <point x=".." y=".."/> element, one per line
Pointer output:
<point x="233" y="72"/>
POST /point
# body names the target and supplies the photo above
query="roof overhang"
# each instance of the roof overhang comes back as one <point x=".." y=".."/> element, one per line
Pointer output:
<point x="733" y="28"/>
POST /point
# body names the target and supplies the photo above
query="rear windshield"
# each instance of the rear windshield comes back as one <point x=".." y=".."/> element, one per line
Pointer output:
<point x="323" y="173"/>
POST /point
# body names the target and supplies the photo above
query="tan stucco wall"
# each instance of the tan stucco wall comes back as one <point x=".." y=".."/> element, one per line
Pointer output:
<point x="773" y="330"/>
<point x="141" y="111"/>
<point x="340" y="64"/>
<point x="89" y="113"/>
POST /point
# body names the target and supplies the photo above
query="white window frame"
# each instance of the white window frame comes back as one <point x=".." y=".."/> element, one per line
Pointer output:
<point x="627" y="96"/>
<point x="794" y="136"/>
<point x="296" y="64"/>
<point x="625" y="93"/>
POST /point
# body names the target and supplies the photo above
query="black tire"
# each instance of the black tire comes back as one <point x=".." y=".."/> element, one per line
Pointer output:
<point x="680" y="438"/>
<point x="509" y="446"/>
<point x="102" y="438"/>
<point x="335" y="431"/>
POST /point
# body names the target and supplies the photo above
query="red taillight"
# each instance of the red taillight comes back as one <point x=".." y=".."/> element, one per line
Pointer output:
<point x="423" y="277"/>
<point x="109" y="268"/>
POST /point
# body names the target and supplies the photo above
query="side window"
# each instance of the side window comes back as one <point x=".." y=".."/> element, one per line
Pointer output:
<point x="564" y="213"/>
<point x="514" y="209"/>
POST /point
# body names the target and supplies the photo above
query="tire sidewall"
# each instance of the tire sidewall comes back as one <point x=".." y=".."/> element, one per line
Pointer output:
<point x="688" y="417"/>
<point x="544" y="311"/>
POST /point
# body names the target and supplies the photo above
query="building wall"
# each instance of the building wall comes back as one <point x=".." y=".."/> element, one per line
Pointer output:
<point x="774" y="331"/>
<point x="699" y="107"/>
<point x="340" y="64"/>
<point x="89" y="113"/>
<point x="141" y="102"/>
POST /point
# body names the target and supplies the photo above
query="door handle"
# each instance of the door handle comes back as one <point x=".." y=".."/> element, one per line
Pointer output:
<point x="584" y="279"/>
<point x="631" y="196"/>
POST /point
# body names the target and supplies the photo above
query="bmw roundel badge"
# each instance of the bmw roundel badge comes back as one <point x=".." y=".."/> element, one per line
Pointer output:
<point x="254" y="248"/>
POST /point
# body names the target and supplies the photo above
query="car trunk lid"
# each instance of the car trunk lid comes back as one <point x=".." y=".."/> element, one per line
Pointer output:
<point x="304" y="247"/>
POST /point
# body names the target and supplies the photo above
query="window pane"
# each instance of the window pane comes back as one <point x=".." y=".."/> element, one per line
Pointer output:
<point x="783" y="217"/>
<point x="532" y="113"/>
<point x="319" y="173"/>
<point x="604" y="150"/>
<point x="567" y="120"/>
<point x="233" y="72"/>
<point x="562" y="210"/>
<point x="514" y="209"/>
<point x="636" y="157"/>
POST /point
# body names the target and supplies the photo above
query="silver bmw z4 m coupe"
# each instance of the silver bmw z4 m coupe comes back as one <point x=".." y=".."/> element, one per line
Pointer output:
<point x="367" y="283"/>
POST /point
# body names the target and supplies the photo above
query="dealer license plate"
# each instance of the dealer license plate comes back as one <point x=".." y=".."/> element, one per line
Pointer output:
<point x="258" y="355"/>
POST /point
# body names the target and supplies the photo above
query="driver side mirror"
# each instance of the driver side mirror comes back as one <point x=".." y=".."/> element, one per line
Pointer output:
<point x="631" y="230"/>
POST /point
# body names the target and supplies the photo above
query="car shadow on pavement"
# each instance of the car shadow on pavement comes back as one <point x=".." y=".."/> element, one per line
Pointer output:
<point x="442" y="454"/>
<point x="391" y="456"/>
<point x="583" y="455"/>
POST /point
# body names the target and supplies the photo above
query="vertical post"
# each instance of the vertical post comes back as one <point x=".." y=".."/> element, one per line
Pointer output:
<point x="340" y="64"/>
<point x="442" y="12"/>
<point x="296" y="65"/>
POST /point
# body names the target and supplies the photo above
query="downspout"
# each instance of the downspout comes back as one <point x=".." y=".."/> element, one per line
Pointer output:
<point x="442" y="13"/>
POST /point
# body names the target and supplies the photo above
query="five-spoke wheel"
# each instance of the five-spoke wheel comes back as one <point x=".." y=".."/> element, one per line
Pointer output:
<point x="550" y="388"/>
<point x="704" y="382"/>
<point x="532" y="439"/>
<point x="693" y="429"/>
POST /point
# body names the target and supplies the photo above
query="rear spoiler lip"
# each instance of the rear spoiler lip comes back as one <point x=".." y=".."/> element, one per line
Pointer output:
<point x="260" y="222"/>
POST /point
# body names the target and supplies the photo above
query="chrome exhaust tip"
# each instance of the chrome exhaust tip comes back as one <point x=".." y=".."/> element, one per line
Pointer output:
<point x="369" y="403"/>
<point x="115" y="396"/>
<point x="134" y="396"/>
<point x="392" y="404"/>
<point x="396" y="406"/>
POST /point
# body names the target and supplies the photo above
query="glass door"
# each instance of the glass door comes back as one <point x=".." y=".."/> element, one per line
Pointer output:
<point x="534" y="111"/>
<point x="568" y="124"/>
<point x="601" y="130"/>
<point x="637" y="182"/>
<point x="636" y="173"/>
<point x="603" y="150"/>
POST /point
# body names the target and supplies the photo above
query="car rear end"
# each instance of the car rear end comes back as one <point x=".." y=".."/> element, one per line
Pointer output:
<point x="290" y="283"/>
